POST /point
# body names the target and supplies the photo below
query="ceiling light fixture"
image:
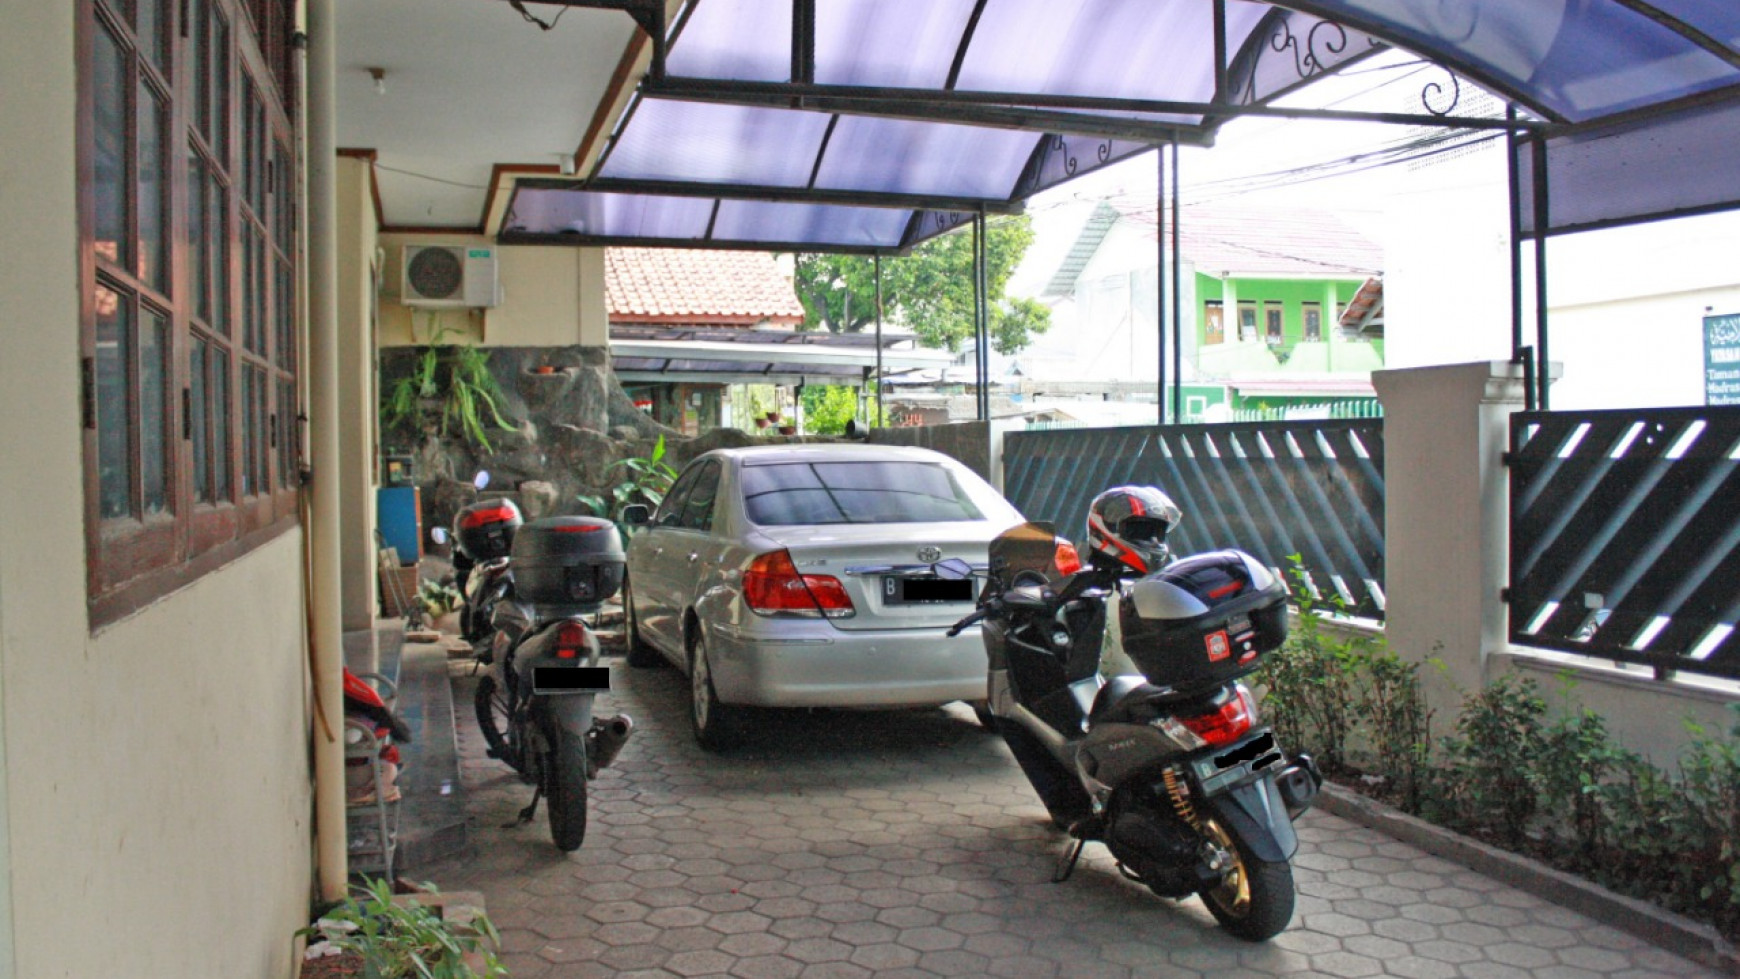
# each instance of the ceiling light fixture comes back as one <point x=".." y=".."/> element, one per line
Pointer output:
<point x="380" y="77"/>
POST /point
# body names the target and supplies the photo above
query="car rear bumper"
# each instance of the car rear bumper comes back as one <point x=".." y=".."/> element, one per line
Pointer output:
<point x="825" y="667"/>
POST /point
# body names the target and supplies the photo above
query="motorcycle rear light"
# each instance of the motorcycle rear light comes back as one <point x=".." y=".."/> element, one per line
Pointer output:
<point x="772" y="586"/>
<point x="570" y="640"/>
<point x="485" y="516"/>
<point x="1227" y="724"/>
<point x="1067" y="559"/>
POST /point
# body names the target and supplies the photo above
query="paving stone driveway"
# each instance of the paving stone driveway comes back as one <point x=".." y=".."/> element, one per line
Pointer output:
<point x="907" y="844"/>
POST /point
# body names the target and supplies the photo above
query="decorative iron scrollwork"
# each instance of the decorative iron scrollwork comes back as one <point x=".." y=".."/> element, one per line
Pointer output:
<point x="1321" y="50"/>
<point x="1060" y="146"/>
<point x="1434" y="90"/>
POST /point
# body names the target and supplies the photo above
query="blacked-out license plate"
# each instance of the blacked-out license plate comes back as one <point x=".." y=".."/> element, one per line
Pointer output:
<point x="897" y="590"/>
<point x="570" y="679"/>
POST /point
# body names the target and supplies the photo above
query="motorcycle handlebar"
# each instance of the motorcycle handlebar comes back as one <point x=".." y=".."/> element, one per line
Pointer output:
<point x="976" y="616"/>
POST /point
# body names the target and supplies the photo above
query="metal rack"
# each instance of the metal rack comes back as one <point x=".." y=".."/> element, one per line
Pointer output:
<point x="371" y="820"/>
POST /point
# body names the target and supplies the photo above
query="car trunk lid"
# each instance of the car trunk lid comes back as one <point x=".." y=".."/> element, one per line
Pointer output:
<point x="885" y="569"/>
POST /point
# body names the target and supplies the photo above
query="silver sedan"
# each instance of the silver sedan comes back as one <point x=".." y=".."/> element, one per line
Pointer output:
<point x="801" y="576"/>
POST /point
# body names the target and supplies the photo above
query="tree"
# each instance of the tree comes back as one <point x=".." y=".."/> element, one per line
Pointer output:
<point x="929" y="291"/>
<point x="828" y="407"/>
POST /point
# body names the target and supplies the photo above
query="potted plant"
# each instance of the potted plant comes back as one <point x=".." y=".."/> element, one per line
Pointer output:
<point x="374" y="936"/>
<point x="449" y="388"/>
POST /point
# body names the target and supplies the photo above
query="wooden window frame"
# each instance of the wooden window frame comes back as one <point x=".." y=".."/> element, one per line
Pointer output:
<point x="136" y="556"/>
<point x="1307" y="334"/>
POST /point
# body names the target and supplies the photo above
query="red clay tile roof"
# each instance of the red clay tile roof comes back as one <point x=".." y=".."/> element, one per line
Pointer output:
<point x="698" y="287"/>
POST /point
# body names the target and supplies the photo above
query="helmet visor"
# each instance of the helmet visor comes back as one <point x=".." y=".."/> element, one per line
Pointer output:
<point x="1139" y="530"/>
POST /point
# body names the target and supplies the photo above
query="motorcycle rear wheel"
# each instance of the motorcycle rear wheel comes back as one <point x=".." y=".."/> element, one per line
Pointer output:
<point x="565" y="788"/>
<point x="492" y="719"/>
<point x="1254" y="901"/>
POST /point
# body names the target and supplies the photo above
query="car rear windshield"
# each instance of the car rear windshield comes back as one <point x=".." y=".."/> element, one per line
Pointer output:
<point x="854" y="492"/>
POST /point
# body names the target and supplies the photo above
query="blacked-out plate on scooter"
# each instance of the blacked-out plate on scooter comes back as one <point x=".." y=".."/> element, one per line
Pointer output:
<point x="570" y="679"/>
<point x="1225" y="769"/>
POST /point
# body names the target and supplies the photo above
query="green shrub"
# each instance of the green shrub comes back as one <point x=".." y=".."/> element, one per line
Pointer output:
<point x="404" y="940"/>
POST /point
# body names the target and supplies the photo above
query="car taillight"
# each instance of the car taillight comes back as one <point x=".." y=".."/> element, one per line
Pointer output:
<point x="487" y="515"/>
<point x="1067" y="559"/>
<point x="570" y="640"/>
<point x="1227" y="724"/>
<point x="772" y="586"/>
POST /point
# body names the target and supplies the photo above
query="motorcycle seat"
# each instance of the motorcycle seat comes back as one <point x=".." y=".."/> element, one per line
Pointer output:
<point x="1118" y="691"/>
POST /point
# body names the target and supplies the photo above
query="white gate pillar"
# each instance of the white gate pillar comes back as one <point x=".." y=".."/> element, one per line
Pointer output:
<point x="1446" y="534"/>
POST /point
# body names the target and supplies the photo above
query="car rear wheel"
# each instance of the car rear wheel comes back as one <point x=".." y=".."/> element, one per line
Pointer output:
<point x="717" y="726"/>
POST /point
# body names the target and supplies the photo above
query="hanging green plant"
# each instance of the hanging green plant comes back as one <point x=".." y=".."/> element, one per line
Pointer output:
<point x="450" y="390"/>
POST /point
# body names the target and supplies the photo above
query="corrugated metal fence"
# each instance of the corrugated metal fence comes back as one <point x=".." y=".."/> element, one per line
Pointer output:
<point x="1275" y="489"/>
<point x="1625" y="535"/>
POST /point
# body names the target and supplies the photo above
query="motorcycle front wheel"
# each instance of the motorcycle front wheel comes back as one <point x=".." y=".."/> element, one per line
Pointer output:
<point x="1254" y="901"/>
<point x="565" y="788"/>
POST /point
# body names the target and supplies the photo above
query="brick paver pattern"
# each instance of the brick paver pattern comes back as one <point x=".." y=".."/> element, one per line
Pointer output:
<point x="844" y="844"/>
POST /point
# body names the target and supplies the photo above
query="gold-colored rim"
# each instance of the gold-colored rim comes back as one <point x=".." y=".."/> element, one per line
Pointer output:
<point x="1233" y="895"/>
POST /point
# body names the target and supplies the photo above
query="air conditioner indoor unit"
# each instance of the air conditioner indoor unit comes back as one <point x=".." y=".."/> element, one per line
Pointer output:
<point x="448" y="276"/>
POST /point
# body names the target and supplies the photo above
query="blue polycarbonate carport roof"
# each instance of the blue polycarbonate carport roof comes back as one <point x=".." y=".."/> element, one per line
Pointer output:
<point x="870" y="125"/>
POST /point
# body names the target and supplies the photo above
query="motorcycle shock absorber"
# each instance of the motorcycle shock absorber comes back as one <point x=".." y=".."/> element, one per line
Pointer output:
<point x="1214" y="856"/>
<point x="1179" y="793"/>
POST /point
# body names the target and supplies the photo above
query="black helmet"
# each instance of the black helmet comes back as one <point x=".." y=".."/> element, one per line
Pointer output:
<point x="1127" y="527"/>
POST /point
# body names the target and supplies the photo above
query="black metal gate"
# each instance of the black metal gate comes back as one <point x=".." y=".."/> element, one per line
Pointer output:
<point x="1276" y="489"/>
<point x="1625" y="535"/>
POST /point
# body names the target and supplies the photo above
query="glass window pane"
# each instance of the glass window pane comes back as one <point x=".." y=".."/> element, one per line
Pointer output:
<point x="286" y="201"/>
<point x="217" y="253"/>
<point x="285" y="305"/>
<point x="854" y="492"/>
<point x="198" y="29"/>
<point x="199" y="413"/>
<point x="153" y="191"/>
<point x="250" y="304"/>
<point x="254" y="431"/>
<point x="109" y="167"/>
<point x="220" y="423"/>
<point x="220" y="95"/>
<point x="154" y="412"/>
<point x="250" y="440"/>
<point x="114" y="402"/>
<point x="698" y="509"/>
<point x="286" y="432"/>
<point x="149" y="18"/>
<point x="198" y="245"/>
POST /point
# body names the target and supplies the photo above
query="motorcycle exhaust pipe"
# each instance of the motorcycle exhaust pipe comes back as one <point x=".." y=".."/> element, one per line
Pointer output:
<point x="1299" y="784"/>
<point x="605" y="740"/>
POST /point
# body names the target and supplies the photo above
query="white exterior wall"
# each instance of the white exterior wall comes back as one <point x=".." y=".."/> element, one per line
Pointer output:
<point x="358" y="386"/>
<point x="154" y="783"/>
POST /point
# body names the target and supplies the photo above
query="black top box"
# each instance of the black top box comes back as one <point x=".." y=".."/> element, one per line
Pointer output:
<point x="1204" y="620"/>
<point x="485" y="529"/>
<point x="567" y="561"/>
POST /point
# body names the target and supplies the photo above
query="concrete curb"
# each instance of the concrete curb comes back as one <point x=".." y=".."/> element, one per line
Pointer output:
<point x="1670" y="931"/>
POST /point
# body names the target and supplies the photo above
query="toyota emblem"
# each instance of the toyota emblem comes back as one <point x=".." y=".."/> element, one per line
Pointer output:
<point x="930" y="555"/>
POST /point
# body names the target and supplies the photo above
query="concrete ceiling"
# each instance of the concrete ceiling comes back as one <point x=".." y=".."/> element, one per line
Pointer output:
<point x="469" y="85"/>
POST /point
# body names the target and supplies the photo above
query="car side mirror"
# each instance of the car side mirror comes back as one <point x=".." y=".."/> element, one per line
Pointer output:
<point x="636" y="515"/>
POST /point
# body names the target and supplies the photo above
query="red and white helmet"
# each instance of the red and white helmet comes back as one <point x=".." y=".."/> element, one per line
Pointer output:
<point x="1127" y="527"/>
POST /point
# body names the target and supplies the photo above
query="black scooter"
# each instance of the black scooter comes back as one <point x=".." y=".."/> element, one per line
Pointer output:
<point x="534" y="706"/>
<point x="1119" y="700"/>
